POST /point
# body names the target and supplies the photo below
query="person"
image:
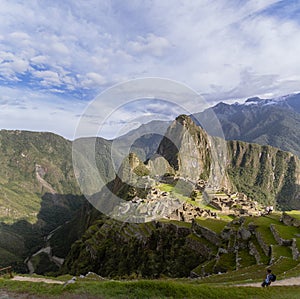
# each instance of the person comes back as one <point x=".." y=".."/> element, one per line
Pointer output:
<point x="267" y="280"/>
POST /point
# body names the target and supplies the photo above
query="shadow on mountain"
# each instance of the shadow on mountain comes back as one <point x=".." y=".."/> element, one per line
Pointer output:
<point x="22" y="238"/>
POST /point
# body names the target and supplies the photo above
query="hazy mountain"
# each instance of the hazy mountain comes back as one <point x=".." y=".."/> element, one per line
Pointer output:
<point x="143" y="141"/>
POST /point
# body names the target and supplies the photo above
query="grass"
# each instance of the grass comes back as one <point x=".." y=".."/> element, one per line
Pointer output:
<point x="263" y="258"/>
<point x="246" y="259"/>
<point x="148" y="289"/>
<point x="293" y="271"/>
<point x="263" y="228"/>
<point x="225" y="217"/>
<point x="249" y="274"/>
<point x="284" y="265"/>
<point x="226" y="261"/>
<point x="205" y="242"/>
<point x="165" y="187"/>
<point x="295" y="214"/>
<point x="215" y="225"/>
<point x="287" y="232"/>
<point x="279" y="251"/>
<point x="178" y="223"/>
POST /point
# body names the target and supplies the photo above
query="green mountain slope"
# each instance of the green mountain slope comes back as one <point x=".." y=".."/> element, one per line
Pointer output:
<point x="38" y="191"/>
<point x="32" y="164"/>
<point x="264" y="173"/>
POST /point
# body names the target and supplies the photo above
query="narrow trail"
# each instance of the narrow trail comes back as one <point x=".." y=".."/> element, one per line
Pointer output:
<point x="37" y="279"/>
<point x="293" y="281"/>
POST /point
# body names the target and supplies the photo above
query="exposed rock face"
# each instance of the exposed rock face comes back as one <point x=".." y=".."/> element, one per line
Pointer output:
<point x="261" y="242"/>
<point x="244" y="233"/>
<point x="253" y="251"/>
<point x="186" y="147"/>
<point x="295" y="250"/>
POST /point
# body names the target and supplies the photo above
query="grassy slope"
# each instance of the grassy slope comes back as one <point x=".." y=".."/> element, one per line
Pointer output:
<point x="148" y="289"/>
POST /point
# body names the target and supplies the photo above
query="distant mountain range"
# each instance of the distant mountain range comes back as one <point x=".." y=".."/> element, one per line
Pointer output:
<point x="274" y="122"/>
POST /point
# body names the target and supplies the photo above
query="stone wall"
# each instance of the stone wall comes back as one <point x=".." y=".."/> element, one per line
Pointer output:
<point x="279" y="240"/>
<point x="295" y="250"/>
<point x="253" y="251"/>
<point x="206" y="233"/>
<point x="289" y="220"/>
<point x="261" y="242"/>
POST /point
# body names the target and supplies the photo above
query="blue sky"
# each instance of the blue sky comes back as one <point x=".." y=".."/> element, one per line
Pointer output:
<point x="56" y="56"/>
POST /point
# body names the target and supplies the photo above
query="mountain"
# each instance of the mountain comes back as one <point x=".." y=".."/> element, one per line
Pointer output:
<point x="144" y="140"/>
<point x="199" y="237"/>
<point x="274" y="122"/>
<point x="32" y="164"/>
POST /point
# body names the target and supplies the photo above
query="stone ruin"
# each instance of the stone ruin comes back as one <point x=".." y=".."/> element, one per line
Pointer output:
<point x="238" y="204"/>
<point x="188" y="212"/>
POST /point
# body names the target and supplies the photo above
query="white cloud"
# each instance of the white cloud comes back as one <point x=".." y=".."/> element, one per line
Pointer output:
<point x="92" y="80"/>
<point x="60" y="48"/>
<point x="220" y="48"/>
<point x="151" y="45"/>
<point x="10" y="65"/>
<point x="39" y="59"/>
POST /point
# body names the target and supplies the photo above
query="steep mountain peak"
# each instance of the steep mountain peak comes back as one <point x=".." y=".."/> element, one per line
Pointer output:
<point x="185" y="120"/>
<point x="186" y="147"/>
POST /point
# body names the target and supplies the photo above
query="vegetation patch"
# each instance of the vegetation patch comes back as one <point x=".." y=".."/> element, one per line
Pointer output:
<point x="215" y="225"/>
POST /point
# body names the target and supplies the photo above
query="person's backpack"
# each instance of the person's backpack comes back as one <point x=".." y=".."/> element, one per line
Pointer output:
<point x="273" y="277"/>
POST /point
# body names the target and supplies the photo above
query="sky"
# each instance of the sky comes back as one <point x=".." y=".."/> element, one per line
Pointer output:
<point x="56" y="57"/>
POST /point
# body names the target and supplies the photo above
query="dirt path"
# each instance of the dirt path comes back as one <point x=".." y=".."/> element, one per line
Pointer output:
<point x="37" y="279"/>
<point x="284" y="282"/>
